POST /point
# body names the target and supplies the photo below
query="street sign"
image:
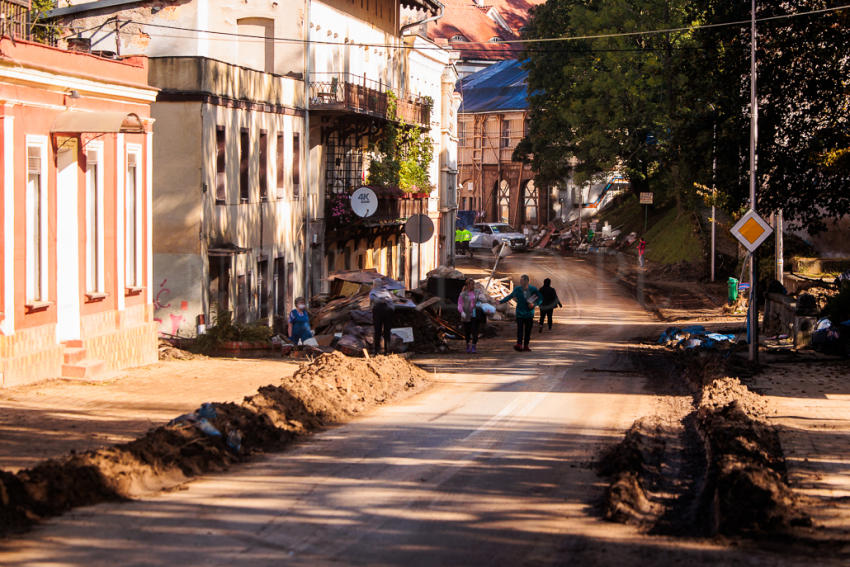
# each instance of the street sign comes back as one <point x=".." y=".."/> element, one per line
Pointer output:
<point x="646" y="198"/>
<point x="751" y="230"/>
<point x="364" y="202"/>
<point x="419" y="228"/>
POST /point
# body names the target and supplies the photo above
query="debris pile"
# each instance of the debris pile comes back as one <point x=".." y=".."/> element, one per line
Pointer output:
<point x="330" y="389"/>
<point x="695" y="336"/>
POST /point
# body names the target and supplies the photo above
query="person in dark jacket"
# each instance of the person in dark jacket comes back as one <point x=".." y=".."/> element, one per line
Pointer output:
<point x="527" y="298"/>
<point x="383" y="311"/>
<point x="549" y="299"/>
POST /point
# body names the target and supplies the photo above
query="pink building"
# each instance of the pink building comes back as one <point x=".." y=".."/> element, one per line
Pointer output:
<point x="75" y="214"/>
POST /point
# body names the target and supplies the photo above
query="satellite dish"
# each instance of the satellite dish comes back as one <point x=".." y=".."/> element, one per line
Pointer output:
<point x="419" y="228"/>
<point x="364" y="202"/>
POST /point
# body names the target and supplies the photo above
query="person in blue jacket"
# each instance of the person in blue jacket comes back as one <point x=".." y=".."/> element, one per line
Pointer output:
<point x="527" y="298"/>
<point x="299" y="322"/>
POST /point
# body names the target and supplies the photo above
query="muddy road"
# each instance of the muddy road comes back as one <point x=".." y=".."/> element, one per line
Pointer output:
<point x="491" y="466"/>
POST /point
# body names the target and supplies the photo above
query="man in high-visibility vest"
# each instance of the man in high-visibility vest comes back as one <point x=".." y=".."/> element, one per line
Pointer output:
<point x="462" y="238"/>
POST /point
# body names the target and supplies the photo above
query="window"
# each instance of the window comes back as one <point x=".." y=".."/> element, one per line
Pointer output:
<point x="132" y="223"/>
<point x="530" y="202"/>
<point x="36" y="222"/>
<point x="457" y="37"/>
<point x="296" y="165"/>
<point x="255" y="46"/>
<point x="495" y="39"/>
<point x="264" y="165"/>
<point x="504" y="201"/>
<point x="262" y="288"/>
<point x="94" y="218"/>
<point x="220" y="165"/>
<point x="506" y="133"/>
<point x="279" y="161"/>
<point x="244" y="148"/>
<point x="461" y="134"/>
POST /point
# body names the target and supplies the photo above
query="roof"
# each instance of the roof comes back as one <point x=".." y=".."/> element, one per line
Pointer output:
<point x="432" y="6"/>
<point x="481" y="24"/>
<point x="88" y="7"/>
<point x="499" y="87"/>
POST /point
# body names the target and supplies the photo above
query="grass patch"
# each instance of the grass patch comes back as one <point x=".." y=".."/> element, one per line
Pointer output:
<point x="674" y="238"/>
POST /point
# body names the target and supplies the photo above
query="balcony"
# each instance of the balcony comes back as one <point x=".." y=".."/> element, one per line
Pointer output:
<point x="343" y="92"/>
<point x="394" y="208"/>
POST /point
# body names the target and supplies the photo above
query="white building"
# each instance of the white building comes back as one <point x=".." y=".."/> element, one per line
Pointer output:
<point x="249" y="154"/>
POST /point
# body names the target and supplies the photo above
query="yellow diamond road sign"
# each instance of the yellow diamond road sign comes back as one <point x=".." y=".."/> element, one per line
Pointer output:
<point x="751" y="230"/>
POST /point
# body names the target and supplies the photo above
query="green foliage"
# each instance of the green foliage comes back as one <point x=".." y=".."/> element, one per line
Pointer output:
<point x="224" y="329"/>
<point x="404" y="155"/>
<point x="838" y="307"/>
<point x="653" y="102"/>
<point x="41" y="30"/>
<point x="674" y="238"/>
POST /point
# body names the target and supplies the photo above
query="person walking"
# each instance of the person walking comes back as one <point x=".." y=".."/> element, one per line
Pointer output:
<point x="470" y="315"/>
<point x="527" y="298"/>
<point x="549" y="299"/>
<point x="298" y="327"/>
<point x="383" y="311"/>
<point x="641" y="247"/>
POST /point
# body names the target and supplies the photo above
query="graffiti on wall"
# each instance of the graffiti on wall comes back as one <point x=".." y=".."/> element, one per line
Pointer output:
<point x="163" y="301"/>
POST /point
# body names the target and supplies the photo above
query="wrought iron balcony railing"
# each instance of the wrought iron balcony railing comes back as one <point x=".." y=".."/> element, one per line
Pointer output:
<point x="352" y="93"/>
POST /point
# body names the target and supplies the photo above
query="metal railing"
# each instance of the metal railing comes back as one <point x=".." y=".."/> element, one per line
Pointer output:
<point x="345" y="91"/>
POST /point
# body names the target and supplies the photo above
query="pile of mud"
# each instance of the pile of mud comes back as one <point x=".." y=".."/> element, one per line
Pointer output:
<point x="633" y="465"/>
<point x="736" y="481"/>
<point x="747" y="475"/>
<point x="328" y="390"/>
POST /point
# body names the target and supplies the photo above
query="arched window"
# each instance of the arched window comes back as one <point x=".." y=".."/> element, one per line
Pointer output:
<point x="530" y="202"/>
<point x="458" y="37"/>
<point x="504" y="201"/>
<point x="495" y="39"/>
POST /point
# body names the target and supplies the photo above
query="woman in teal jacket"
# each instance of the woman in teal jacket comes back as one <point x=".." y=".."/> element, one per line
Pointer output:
<point x="527" y="298"/>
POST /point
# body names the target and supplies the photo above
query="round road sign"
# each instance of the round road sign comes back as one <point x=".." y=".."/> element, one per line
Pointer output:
<point x="419" y="228"/>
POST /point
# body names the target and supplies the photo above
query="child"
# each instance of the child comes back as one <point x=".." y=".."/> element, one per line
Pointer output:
<point x="469" y="315"/>
<point x="549" y="299"/>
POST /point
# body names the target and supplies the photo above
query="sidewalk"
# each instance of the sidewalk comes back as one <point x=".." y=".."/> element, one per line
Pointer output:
<point x="53" y="418"/>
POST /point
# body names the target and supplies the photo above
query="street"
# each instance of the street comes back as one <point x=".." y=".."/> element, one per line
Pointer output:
<point x="490" y="466"/>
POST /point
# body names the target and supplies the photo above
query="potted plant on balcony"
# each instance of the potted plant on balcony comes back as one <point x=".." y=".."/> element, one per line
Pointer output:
<point x="403" y="156"/>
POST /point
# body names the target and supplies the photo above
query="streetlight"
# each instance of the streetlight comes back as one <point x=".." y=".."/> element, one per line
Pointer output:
<point x="753" y="311"/>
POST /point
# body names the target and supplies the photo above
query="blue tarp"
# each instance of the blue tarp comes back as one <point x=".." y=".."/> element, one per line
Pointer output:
<point x="498" y="87"/>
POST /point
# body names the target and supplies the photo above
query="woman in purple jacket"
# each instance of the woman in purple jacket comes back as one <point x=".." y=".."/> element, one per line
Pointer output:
<point x="466" y="302"/>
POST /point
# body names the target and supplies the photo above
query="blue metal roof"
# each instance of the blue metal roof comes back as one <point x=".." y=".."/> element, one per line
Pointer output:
<point x="499" y="87"/>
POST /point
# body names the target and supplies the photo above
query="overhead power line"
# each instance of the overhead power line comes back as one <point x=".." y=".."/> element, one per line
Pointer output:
<point x="466" y="45"/>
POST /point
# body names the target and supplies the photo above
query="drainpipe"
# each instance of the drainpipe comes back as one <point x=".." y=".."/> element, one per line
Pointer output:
<point x="306" y="142"/>
<point x="439" y="15"/>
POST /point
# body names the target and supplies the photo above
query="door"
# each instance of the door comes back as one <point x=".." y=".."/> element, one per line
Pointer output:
<point x="67" y="245"/>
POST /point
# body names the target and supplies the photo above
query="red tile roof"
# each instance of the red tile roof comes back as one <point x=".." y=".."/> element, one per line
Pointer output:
<point x="466" y="18"/>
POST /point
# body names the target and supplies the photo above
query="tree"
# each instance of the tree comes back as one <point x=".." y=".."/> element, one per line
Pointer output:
<point x="632" y="101"/>
<point x="662" y="104"/>
<point x="804" y="107"/>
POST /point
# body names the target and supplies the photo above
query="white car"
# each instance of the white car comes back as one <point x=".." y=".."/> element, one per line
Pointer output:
<point x="488" y="235"/>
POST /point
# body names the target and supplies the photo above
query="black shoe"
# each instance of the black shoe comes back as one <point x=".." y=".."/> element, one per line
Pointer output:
<point x="541" y="329"/>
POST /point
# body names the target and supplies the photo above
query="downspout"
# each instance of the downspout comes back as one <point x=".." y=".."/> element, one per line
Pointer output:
<point x="439" y="15"/>
<point x="306" y="152"/>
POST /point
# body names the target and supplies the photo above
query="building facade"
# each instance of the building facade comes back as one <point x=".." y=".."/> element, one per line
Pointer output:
<point x="267" y="117"/>
<point x="77" y="288"/>
<point x="491" y="123"/>
<point x="230" y="200"/>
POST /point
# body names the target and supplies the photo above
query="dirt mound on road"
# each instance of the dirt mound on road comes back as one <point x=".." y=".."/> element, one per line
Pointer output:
<point x="746" y="465"/>
<point x="328" y="390"/>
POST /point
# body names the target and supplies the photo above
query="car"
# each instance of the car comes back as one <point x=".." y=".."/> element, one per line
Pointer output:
<point x="488" y="235"/>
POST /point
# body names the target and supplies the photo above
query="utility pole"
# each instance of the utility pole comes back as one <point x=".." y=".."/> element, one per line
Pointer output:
<point x="713" y="193"/>
<point x="753" y="312"/>
<point x="780" y="247"/>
